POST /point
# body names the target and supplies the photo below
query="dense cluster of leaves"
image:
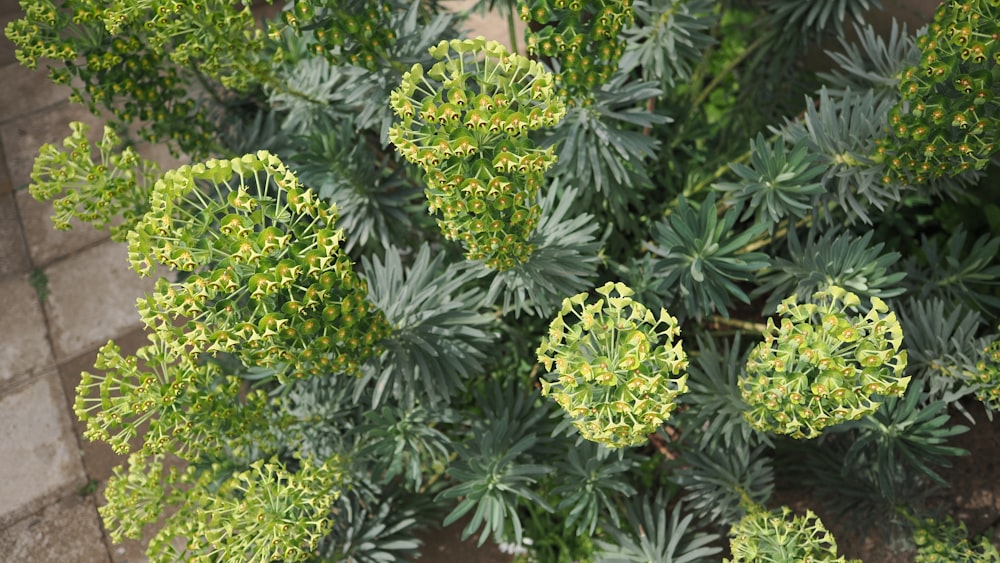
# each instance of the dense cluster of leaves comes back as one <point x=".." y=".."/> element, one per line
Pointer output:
<point x="328" y="373"/>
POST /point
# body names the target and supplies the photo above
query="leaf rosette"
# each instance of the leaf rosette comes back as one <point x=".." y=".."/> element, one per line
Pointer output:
<point x="465" y="122"/>
<point x="618" y="367"/>
<point x="823" y="365"/>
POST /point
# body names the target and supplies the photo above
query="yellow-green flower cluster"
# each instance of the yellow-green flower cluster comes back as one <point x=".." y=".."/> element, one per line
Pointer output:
<point x="188" y="408"/>
<point x="823" y="364"/>
<point x="988" y="376"/>
<point x="265" y="512"/>
<point x="465" y="121"/>
<point x="947" y="121"/>
<point x="115" y="187"/>
<point x="780" y="535"/>
<point x="947" y="541"/>
<point x="584" y="36"/>
<point x="358" y="33"/>
<point x="618" y="367"/>
<point x="268" y="281"/>
<point x="133" y="58"/>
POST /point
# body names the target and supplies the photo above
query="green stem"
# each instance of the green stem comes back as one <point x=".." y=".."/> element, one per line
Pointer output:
<point x="511" y="28"/>
<point x="721" y="75"/>
<point x="765" y="240"/>
<point x="719" y="172"/>
<point x="748" y="326"/>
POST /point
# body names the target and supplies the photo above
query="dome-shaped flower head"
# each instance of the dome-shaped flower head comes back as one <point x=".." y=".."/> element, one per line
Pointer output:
<point x="617" y="367"/>
<point x="825" y="363"/>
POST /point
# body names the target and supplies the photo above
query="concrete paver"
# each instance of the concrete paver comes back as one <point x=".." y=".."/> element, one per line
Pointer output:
<point x="36" y="434"/>
<point x="13" y="250"/>
<point x="21" y="137"/>
<point x="66" y="531"/>
<point x="92" y="298"/>
<point x="28" y="90"/>
<point x="25" y="350"/>
<point x="45" y="243"/>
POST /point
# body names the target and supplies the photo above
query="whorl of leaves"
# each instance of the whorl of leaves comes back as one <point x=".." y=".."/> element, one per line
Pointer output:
<point x="668" y="39"/>
<point x="844" y="131"/>
<point x="439" y="339"/>
<point x="702" y="257"/>
<point x="831" y="258"/>
<point x="777" y="183"/>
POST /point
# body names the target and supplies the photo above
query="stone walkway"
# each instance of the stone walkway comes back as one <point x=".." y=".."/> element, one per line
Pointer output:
<point x="62" y="296"/>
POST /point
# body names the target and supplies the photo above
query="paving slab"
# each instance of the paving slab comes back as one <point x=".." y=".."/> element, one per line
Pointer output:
<point x="46" y="244"/>
<point x="9" y="11"/>
<point x="92" y="298"/>
<point x="21" y="137"/>
<point x="13" y="249"/>
<point x="25" y="350"/>
<point x="35" y="431"/>
<point x="27" y="90"/>
<point x="66" y="531"/>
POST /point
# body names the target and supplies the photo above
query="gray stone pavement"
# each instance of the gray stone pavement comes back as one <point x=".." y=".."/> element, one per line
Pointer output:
<point x="63" y="295"/>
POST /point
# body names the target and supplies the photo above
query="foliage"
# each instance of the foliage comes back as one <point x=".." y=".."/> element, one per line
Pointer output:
<point x="701" y="257"/>
<point x="953" y="270"/>
<point x="714" y="406"/>
<point x="650" y="535"/>
<point x="815" y="18"/>
<point x="775" y="185"/>
<point x="831" y="258"/>
<point x="874" y="63"/>
<point x="331" y="369"/>
<point x="668" y="38"/>
<point x="843" y="131"/>
<point x="431" y="311"/>
<point x="903" y="432"/>
<point x="719" y="481"/>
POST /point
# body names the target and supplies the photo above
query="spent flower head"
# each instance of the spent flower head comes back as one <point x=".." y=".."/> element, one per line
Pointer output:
<point x="618" y="367"/>
<point x="823" y="364"/>
<point x="465" y="122"/>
